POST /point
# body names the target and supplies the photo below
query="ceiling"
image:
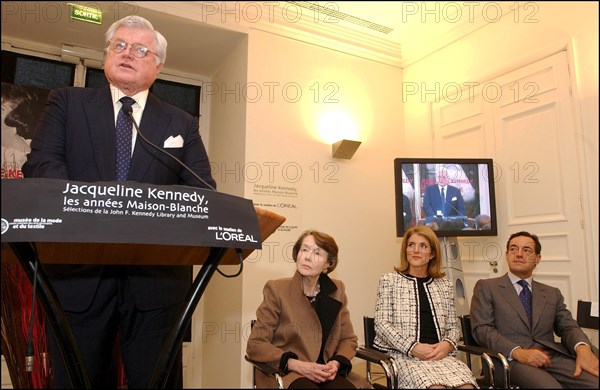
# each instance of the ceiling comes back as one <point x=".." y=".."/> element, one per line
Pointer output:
<point x="202" y="34"/>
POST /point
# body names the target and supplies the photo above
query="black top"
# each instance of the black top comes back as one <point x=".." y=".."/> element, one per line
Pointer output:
<point x="428" y="334"/>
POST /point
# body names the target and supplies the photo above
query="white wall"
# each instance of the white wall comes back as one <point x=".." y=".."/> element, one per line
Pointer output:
<point x="505" y="45"/>
<point x="216" y="335"/>
<point x="353" y="200"/>
<point x="357" y="206"/>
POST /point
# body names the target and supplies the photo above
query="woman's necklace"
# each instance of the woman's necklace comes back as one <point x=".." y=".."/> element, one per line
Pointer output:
<point x="311" y="297"/>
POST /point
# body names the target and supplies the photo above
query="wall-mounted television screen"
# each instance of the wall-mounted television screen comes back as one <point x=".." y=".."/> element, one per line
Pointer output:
<point x="455" y="197"/>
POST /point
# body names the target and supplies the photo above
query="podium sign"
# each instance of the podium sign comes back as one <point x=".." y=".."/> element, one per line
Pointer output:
<point x="53" y="210"/>
<point x="69" y="222"/>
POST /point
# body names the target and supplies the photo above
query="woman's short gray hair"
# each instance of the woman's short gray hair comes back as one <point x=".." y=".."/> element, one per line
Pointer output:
<point x="134" y="21"/>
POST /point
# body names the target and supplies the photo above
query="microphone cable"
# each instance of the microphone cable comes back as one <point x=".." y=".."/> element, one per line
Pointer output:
<point x="238" y="251"/>
<point x="128" y="109"/>
<point x="29" y="352"/>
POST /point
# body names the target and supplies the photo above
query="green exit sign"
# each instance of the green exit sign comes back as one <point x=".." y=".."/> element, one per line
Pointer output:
<point x="86" y="14"/>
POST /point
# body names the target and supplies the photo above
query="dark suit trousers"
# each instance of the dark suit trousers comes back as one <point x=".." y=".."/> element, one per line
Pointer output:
<point x="559" y="375"/>
<point x="141" y="334"/>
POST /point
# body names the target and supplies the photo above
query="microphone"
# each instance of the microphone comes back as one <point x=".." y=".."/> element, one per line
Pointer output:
<point x="128" y="110"/>
<point x="446" y="202"/>
<point x="454" y="218"/>
<point x="460" y="215"/>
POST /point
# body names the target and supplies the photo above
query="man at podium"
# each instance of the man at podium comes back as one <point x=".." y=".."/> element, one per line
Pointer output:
<point x="443" y="201"/>
<point x="88" y="135"/>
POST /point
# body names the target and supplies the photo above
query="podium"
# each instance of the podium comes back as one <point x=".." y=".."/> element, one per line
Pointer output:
<point x="38" y="227"/>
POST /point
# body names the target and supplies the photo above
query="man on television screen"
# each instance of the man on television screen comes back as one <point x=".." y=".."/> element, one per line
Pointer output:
<point x="442" y="201"/>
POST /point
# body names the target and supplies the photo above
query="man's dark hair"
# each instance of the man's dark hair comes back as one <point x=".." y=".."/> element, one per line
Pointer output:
<point x="538" y="246"/>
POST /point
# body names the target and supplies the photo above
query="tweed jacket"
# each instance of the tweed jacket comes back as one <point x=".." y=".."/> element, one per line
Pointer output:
<point x="287" y="323"/>
<point x="499" y="321"/>
<point x="397" y="320"/>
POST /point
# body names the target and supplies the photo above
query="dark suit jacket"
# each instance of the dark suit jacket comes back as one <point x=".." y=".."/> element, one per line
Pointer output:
<point x="75" y="140"/>
<point x="499" y="321"/>
<point x="432" y="202"/>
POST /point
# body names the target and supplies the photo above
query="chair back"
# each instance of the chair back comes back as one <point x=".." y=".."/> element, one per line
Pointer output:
<point x="495" y="372"/>
<point x="369" y="330"/>
<point x="465" y="326"/>
<point x="584" y="317"/>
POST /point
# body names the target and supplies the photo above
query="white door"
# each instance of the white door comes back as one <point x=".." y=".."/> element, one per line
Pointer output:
<point x="524" y="121"/>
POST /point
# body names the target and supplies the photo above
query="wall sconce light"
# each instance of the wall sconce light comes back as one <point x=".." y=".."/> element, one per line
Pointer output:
<point x="344" y="148"/>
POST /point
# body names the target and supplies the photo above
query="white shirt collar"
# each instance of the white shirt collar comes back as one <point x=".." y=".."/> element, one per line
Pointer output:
<point x="514" y="279"/>
<point x="140" y="97"/>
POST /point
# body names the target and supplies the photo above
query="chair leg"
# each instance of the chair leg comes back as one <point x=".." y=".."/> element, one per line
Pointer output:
<point x="279" y="381"/>
<point x="505" y="371"/>
<point x="276" y="376"/>
<point x="390" y="373"/>
<point x="396" y="370"/>
<point x="490" y="365"/>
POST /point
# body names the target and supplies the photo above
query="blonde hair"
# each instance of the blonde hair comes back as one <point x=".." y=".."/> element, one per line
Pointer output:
<point x="434" y="267"/>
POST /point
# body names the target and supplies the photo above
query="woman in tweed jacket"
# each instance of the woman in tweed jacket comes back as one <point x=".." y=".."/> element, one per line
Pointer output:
<point x="303" y="324"/>
<point x="415" y="317"/>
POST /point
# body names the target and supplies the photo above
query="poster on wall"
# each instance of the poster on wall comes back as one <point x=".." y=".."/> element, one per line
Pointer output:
<point x="278" y="188"/>
<point x="21" y="109"/>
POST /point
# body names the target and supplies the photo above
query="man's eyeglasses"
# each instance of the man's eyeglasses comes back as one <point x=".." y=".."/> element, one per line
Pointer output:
<point x="138" y="49"/>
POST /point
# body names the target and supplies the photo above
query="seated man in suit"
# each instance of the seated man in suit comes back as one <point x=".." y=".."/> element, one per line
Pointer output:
<point x="518" y="316"/>
<point x="442" y="200"/>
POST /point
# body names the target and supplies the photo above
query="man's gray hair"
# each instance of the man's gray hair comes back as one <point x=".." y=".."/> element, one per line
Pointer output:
<point x="138" y="22"/>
